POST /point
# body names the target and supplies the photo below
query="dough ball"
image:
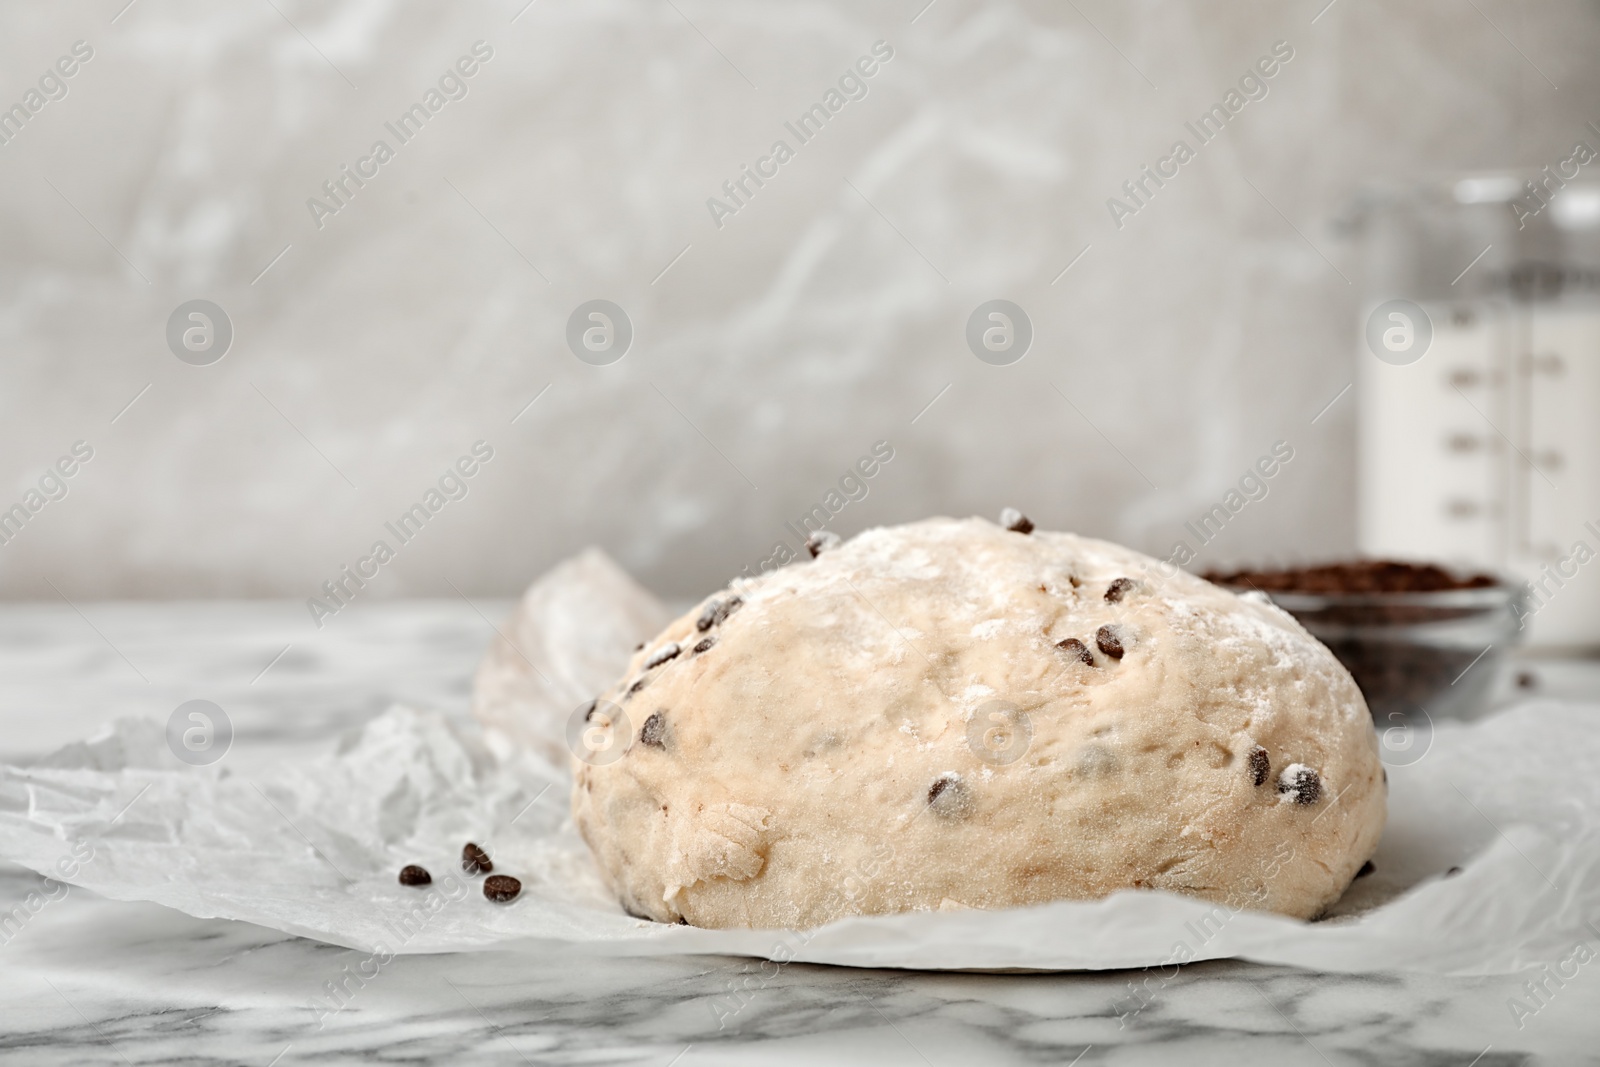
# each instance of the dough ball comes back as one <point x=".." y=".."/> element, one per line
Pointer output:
<point x="953" y="714"/>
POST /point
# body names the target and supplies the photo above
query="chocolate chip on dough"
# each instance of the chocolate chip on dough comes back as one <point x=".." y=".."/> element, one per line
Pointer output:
<point x="1109" y="641"/>
<point x="1260" y="765"/>
<point x="501" y="888"/>
<point x="704" y="644"/>
<point x="654" y="731"/>
<point x="411" y="874"/>
<point x="822" y="541"/>
<point x="1015" y="521"/>
<point x="667" y="651"/>
<point x="1366" y="869"/>
<point x="716" y="611"/>
<point x="1119" y="589"/>
<point x="1077" y="650"/>
<point x="1301" y="783"/>
<point x="475" y="860"/>
<point x="949" y="796"/>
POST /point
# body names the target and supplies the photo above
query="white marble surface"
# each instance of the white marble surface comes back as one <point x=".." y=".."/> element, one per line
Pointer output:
<point x="91" y="981"/>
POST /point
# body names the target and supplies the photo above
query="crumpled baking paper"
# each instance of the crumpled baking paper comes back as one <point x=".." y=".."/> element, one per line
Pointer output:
<point x="313" y="847"/>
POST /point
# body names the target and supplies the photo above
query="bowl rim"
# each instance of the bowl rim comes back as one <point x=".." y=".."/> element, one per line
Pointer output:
<point x="1484" y="597"/>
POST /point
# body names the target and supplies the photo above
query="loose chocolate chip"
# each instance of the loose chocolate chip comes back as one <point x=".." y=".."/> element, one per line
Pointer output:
<point x="1015" y="521"/>
<point x="1077" y="650"/>
<point x="1118" y="589"/>
<point x="1452" y="872"/>
<point x="501" y="888"/>
<point x="639" y="646"/>
<point x="949" y="796"/>
<point x="1366" y="869"/>
<point x="1300" y="782"/>
<point x="475" y="860"/>
<point x="822" y="541"/>
<point x="1109" y="640"/>
<point x="1527" y="680"/>
<point x="654" y="731"/>
<point x="704" y="644"/>
<point x="411" y="874"/>
<point x="1260" y="765"/>
<point x="667" y="651"/>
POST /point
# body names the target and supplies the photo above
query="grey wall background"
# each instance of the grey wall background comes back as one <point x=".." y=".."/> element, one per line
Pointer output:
<point x="824" y="316"/>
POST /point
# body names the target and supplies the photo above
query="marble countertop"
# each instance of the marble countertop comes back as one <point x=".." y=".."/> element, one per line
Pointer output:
<point x="91" y="981"/>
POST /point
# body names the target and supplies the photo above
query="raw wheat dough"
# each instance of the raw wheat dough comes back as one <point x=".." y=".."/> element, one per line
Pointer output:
<point x="819" y="759"/>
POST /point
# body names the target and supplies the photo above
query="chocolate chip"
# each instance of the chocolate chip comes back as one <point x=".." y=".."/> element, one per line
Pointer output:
<point x="588" y="712"/>
<point x="639" y="646"/>
<point x="654" y="731"/>
<point x="716" y="611"/>
<point x="822" y="541"/>
<point x="1109" y="640"/>
<point x="475" y="860"/>
<point x="1015" y="521"/>
<point x="1077" y="650"/>
<point x="1260" y="765"/>
<point x="501" y="888"/>
<point x="1118" y="589"/>
<point x="1300" y="782"/>
<point x="635" y="687"/>
<point x="949" y="796"/>
<point x="1527" y="680"/>
<point x="704" y="644"/>
<point x="1452" y="872"/>
<point x="667" y="651"/>
<point x="1366" y="869"/>
<point x="411" y="874"/>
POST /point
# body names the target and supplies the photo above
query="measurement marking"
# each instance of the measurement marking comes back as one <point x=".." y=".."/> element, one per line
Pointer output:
<point x="524" y="7"/>
<point x="1323" y="12"/>
<point x="124" y="10"/>
<point x="924" y="10"/>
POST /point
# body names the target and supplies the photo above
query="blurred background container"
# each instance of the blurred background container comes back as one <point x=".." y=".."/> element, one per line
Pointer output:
<point x="1171" y="349"/>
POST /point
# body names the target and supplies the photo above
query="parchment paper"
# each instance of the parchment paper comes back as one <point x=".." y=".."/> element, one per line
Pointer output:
<point x="313" y="847"/>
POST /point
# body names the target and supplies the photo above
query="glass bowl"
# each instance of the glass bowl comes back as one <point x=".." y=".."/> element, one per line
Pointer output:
<point x="1434" y="651"/>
